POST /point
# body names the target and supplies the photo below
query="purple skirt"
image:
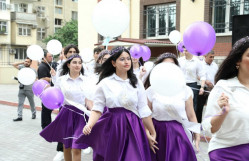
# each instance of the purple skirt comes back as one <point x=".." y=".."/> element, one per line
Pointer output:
<point x="118" y="136"/>
<point x="238" y="153"/>
<point x="66" y="127"/>
<point x="173" y="142"/>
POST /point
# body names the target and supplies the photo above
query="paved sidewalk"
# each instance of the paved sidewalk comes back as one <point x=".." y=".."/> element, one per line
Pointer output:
<point x="20" y="141"/>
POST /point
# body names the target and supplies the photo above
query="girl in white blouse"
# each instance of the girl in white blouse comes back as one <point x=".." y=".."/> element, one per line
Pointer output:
<point x="70" y="121"/>
<point x="170" y="115"/>
<point x="119" y="134"/>
<point x="227" y="111"/>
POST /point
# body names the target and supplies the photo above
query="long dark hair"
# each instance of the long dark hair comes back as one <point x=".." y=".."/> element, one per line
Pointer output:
<point x="107" y="69"/>
<point x="159" y="60"/>
<point x="65" y="69"/>
<point x="228" y="68"/>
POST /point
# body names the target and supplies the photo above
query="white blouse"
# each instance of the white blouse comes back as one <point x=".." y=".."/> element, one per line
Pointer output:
<point x="169" y="108"/>
<point x="191" y="69"/>
<point x="114" y="92"/>
<point x="235" y="128"/>
<point x="91" y="86"/>
<point x="73" y="90"/>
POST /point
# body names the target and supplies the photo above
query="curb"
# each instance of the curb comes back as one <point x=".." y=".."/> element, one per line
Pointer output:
<point x="38" y="108"/>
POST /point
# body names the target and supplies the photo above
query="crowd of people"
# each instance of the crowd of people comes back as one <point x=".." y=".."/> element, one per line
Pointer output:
<point x="110" y="106"/>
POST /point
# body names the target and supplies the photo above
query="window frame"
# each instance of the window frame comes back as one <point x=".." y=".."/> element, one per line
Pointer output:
<point x="20" y="51"/>
<point x="3" y="5"/>
<point x="167" y="7"/>
<point x="4" y="25"/>
<point x="57" y="9"/>
<point x="74" y="12"/>
<point x="25" y="30"/>
<point x="41" y="33"/>
<point x="227" y="22"/>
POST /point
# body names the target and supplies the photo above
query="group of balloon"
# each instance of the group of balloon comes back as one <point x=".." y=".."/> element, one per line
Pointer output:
<point x="198" y="38"/>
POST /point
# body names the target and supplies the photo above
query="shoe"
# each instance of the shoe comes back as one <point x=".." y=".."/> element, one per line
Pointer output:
<point x="87" y="150"/>
<point x="18" y="119"/>
<point x="59" y="156"/>
<point x="33" y="116"/>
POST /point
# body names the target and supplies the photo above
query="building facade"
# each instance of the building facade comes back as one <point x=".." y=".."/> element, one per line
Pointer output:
<point x="155" y="19"/>
<point x="28" y="22"/>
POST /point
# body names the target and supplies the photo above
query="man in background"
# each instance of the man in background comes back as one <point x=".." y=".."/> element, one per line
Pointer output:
<point x="25" y="91"/>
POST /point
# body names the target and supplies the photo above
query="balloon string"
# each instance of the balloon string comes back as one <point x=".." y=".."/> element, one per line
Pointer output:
<point x="199" y="89"/>
<point x="47" y="63"/>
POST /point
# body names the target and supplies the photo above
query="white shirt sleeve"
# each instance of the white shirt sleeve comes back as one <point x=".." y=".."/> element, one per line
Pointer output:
<point x="149" y="93"/>
<point x="143" y="108"/>
<point x="201" y="70"/>
<point x="188" y="92"/>
<point x="99" y="99"/>
<point x="212" y="108"/>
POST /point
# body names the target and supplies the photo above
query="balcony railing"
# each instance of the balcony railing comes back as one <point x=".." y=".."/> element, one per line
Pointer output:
<point x="24" y="18"/>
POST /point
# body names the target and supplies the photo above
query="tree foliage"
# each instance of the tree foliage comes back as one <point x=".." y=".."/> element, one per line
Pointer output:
<point x="68" y="34"/>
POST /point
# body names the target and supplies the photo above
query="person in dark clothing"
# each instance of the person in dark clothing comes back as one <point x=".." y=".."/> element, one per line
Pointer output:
<point x="44" y="73"/>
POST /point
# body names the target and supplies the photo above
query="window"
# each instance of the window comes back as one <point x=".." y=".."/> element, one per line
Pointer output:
<point x="22" y="7"/>
<point x="3" y="27"/>
<point x="160" y="20"/>
<point x="20" y="53"/>
<point x="74" y="15"/>
<point x="24" y="30"/>
<point x="58" y="2"/>
<point x="56" y="29"/>
<point x="223" y="12"/>
<point x="40" y="11"/>
<point x="41" y="33"/>
<point x="58" y="10"/>
<point x="2" y="4"/>
<point x="57" y="21"/>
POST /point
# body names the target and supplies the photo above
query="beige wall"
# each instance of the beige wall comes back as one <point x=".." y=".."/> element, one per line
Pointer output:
<point x="86" y="31"/>
<point x="87" y="35"/>
<point x="191" y="12"/>
<point x="133" y="29"/>
<point x="22" y="40"/>
<point x="6" y="75"/>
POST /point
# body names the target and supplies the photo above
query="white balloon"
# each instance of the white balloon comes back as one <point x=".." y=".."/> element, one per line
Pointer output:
<point x="35" y="52"/>
<point x="167" y="79"/>
<point x="54" y="47"/>
<point x="26" y="76"/>
<point x="111" y="18"/>
<point x="175" y="36"/>
<point x="148" y="66"/>
<point x="86" y="54"/>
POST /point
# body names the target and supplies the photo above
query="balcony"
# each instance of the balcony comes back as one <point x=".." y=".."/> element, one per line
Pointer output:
<point x="24" y="18"/>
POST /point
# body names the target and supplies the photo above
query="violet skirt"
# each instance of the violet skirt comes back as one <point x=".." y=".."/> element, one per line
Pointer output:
<point x="66" y="128"/>
<point x="238" y="153"/>
<point x="173" y="142"/>
<point x="118" y="136"/>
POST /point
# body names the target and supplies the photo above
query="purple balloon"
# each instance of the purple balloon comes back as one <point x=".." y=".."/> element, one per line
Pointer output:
<point x="199" y="38"/>
<point x="180" y="46"/>
<point x="146" y="53"/>
<point x="52" y="98"/>
<point x="136" y="51"/>
<point x="39" y="86"/>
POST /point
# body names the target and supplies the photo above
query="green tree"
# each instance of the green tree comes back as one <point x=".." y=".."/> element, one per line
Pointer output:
<point x="68" y="34"/>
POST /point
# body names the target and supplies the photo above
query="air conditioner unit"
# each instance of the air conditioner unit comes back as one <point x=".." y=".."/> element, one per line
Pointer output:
<point x="8" y="6"/>
<point x="34" y="26"/>
<point x="12" y="51"/>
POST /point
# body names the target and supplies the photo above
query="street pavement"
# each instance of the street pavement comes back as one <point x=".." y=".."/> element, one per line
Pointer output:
<point x="20" y="141"/>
